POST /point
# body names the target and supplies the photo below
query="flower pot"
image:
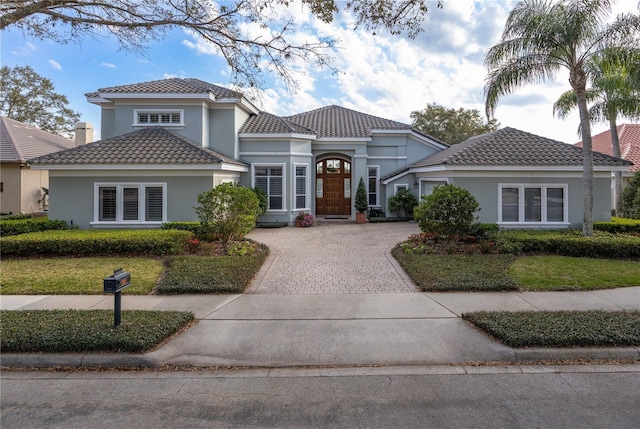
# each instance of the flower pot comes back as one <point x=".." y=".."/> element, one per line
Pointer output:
<point x="361" y="217"/>
<point x="298" y="223"/>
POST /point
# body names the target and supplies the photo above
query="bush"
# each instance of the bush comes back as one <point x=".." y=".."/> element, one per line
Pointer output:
<point x="194" y="227"/>
<point x="631" y="197"/>
<point x="619" y="226"/>
<point x="361" y="203"/>
<point x="570" y="243"/>
<point x="403" y="201"/>
<point x="82" y="331"/>
<point x="449" y="210"/>
<point x="204" y="274"/>
<point x="30" y="224"/>
<point x="95" y="243"/>
<point x="483" y="231"/>
<point x="561" y="328"/>
<point x="229" y="211"/>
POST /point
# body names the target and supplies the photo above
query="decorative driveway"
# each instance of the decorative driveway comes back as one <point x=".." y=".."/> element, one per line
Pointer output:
<point x="333" y="259"/>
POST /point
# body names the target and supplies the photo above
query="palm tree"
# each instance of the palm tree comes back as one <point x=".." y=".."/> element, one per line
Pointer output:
<point x="615" y="90"/>
<point x="542" y="37"/>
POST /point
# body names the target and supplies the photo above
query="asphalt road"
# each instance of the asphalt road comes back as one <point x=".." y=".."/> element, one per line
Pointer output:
<point x="388" y="397"/>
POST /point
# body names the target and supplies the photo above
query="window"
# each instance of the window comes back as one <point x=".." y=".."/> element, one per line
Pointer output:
<point x="130" y="203"/>
<point x="373" y="185"/>
<point x="532" y="203"/>
<point x="270" y="180"/>
<point x="400" y="187"/>
<point x="158" y="117"/>
<point x="301" y="186"/>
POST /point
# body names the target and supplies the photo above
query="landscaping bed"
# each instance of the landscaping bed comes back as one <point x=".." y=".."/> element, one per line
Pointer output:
<point x="560" y="328"/>
<point x="83" y="331"/>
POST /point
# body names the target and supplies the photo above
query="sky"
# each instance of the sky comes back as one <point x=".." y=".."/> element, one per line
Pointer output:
<point x="383" y="75"/>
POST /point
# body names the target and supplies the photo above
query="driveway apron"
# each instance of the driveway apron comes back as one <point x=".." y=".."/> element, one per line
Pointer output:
<point x="332" y="259"/>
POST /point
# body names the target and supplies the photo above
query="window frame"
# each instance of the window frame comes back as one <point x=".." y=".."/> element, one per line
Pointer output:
<point x="119" y="221"/>
<point x="294" y="187"/>
<point x="137" y="112"/>
<point x="398" y="186"/>
<point x="377" y="190"/>
<point x="544" y="202"/>
<point x="283" y="166"/>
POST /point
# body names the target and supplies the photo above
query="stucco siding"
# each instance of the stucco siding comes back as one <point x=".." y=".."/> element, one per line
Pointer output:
<point x="32" y="195"/>
<point x="222" y="131"/>
<point x="11" y="188"/>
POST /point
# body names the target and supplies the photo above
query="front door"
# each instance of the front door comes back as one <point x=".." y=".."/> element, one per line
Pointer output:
<point x="333" y="187"/>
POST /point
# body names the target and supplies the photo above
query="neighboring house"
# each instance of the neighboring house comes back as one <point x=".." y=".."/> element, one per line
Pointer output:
<point x="520" y="179"/>
<point x="23" y="190"/>
<point x="629" y="138"/>
<point x="167" y="141"/>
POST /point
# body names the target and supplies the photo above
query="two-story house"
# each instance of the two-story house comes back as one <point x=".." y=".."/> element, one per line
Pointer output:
<point x="164" y="142"/>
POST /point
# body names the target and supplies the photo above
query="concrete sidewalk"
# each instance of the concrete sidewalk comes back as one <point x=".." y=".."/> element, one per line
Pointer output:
<point x="325" y="329"/>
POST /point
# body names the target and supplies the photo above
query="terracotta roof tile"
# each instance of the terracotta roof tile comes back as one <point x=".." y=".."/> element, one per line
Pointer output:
<point x="154" y="145"/>
<point x="19" y="142"/>
<point x="629" y="137"/>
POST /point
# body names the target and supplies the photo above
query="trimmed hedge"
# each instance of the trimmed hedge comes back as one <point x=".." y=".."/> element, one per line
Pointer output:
<point x="95" y="243"/>
<point x="81" y="331"/>
<point x="560" y="328"/>
<point x="31" y="224"/>
<point x="205" y="274"/>
<point x="619" y="225"/>
<point x="570" y="243"/>
<point x="194" y="227"/>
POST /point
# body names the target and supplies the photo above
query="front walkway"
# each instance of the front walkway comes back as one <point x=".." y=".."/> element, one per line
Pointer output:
<point x="333" y="259"/>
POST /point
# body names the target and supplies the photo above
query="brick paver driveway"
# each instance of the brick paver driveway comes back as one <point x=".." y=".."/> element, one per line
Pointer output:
<point x="333" y="259"/>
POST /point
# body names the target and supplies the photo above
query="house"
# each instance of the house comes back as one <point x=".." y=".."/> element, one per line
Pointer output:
<point x="165" y="142"/>
<point x="520" y="180"/>
<point x="629" y="138"/>
<point x="23" y="190"/>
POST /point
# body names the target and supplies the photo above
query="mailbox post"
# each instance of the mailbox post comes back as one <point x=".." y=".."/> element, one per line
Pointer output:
<point x="114" y="284"/>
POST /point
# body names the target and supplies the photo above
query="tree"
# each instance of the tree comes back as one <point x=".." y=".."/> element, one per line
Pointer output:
<point x="252" y="35"/>
<point x="30" y="98"/>
<point x="229" y="211"/>
<point x="361" y="204"/>
<point x="542" y="37"/>
<point x="448" y="210"/>
<point x="449" y="125"/>
<point x="631" y="197"/>
<point x="615" y="90"/>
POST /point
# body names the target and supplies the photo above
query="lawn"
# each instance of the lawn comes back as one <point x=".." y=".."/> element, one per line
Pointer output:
<point x="75" y="276"/>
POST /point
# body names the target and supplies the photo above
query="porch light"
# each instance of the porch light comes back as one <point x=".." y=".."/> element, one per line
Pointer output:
<point x="415" y="185"/>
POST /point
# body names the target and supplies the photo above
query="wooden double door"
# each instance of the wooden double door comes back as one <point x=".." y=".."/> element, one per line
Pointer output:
<point x="333" y="187"/>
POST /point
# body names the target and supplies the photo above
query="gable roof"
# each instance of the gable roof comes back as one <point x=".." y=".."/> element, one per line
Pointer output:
<point x="336" y="121"/>
<point x="629" y="137"/>
<point x="149" y="146"/>
<point x="170" y="86"/>
<point x="19" y="142"/>
<point x="511" y="147"/>
<point x="266" y="123"/>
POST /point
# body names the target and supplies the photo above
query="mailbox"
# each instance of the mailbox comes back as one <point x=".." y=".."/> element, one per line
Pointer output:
<point x="118" y="281"/>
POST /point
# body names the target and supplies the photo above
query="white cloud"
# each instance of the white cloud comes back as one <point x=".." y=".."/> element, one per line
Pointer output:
<point x="108" y="65"/>
<point x="26" y="50"/>
<point x="55" y="65"/>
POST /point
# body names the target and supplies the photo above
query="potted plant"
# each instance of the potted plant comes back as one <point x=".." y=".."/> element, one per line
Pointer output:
<point x="361" y="204"/>
<point x="304" y="219"/>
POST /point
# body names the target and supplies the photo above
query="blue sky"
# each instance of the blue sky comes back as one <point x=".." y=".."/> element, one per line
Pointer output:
<point x="383" y="75"/>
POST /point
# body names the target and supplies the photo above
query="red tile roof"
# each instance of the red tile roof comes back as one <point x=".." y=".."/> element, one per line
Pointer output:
<point x="629" y="136"/>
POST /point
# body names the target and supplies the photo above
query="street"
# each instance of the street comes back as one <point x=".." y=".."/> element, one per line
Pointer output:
<point x="581" y="396"/>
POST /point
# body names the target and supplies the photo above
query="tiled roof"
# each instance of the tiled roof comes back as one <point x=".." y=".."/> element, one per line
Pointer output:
<point x="336" y="121"/>
<point x="171" y="86"/>
<point x="19" y="142"/>
<point x="154" y="145"/>
<point x="629" y="137"/>
<point x="512" y="147"/>
<point x="270" y="124"/>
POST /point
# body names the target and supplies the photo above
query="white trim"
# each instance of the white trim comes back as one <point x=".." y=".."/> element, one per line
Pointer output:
<point x="275" y="154"/>
<point x="388" y="157"/>
<point x="543" y="204"/>
<point x="342" y="140"/>
<point x="137" y="112"/>
<point x="276" y="136"/>
<point x="284" y="183"/>
<point x="398" y="185"/>
<point x="141" y="186"/>
<point x="294" y="189"/>
<point x="129" y="167"/>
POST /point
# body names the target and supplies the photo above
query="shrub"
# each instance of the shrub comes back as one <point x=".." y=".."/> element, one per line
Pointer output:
<point x="95" y="243"/>
<point x="619" y="226"/>
<point x="194" y="227"/>
<point x="361" y="203"/>
<point x="262" y="200"/>
<point x="403" y="201"/>
<point x="30" y="224"/>
<point x="484" y="230"/>
<point x="82" y="331"/>
<point x="229" y="211"/>
<point x="449" y="210"/>
<point x="631" y="197"/>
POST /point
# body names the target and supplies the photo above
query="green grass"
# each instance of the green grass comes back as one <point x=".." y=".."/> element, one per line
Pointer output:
<point x="457" y="272"/>
<point x="560" y="328"/>
<point x="75" y="276"/>
<point x="545" y="273"/>
<point x="82" y="331"/>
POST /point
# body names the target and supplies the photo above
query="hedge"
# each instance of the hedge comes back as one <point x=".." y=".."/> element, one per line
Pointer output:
<point x="95" y="243"/>
<point x="31" y="224"/>
<point x="570" y="243"/>
<point x="619" y="225"/>
<point x="194" y="227"/>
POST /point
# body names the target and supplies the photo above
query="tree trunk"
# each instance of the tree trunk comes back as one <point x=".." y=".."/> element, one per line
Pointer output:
<point x="587" y="158"/>
<point x="615" y="146"/>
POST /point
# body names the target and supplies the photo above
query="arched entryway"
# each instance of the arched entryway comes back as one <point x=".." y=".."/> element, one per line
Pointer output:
<point x="333" y="187"/>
